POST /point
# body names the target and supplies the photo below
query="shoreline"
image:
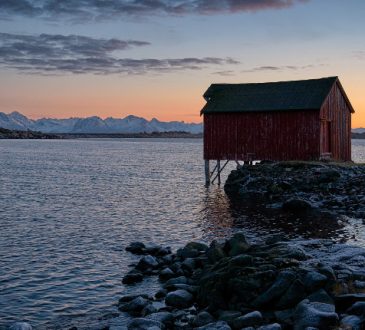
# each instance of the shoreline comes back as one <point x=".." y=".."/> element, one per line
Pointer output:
<point x="10" y="134"/>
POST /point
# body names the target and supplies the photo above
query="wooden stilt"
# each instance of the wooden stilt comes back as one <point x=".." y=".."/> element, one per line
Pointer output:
<point x="207" y="173"/>
<point x="219" y="171"/>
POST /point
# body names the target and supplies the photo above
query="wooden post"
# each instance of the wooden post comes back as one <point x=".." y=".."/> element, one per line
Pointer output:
<point x="207" y="173"/>
<point x="219" y="171"/>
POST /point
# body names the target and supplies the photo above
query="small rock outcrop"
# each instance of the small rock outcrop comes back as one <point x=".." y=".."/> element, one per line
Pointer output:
<point x="299" y="188"/>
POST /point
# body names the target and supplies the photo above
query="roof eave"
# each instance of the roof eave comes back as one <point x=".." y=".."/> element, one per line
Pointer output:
<point x="352" y="110"/>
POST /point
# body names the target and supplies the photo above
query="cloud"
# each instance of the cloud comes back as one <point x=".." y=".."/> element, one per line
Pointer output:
<point x="282" y="68"/>
<point x="107" y="9"/>
<point x="224" y="73"/>
<point x="359" y="54"/>
<point x="58" y="54"/>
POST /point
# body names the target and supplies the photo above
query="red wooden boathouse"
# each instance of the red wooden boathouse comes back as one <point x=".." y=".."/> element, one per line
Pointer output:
<point x="287" y="120"/>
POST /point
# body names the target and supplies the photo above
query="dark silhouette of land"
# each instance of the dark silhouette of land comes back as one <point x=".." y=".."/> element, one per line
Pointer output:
<point x="12" y="134"/>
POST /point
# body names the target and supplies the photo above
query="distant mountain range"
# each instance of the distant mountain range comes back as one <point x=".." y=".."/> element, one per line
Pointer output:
<point x="90" y="125"/>
<point x="359" y="130"/>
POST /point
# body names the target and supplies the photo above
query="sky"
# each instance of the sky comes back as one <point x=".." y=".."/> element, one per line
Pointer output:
<point x="155" y="58"/>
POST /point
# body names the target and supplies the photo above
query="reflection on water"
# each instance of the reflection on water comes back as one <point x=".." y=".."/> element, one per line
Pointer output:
<point x="68" y="209"/>
<point x="222" y="216"/>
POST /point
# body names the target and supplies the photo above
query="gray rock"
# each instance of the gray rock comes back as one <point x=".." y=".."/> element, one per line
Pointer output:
<point x="187" y="253"/>
<point x="145" y="324"/>
<point x="297" y="205"/>
<point x="154" y="249"/>
<point x="294" y="294"/>
<point x="190" y="288"/>
<point x="237" y="244"/>
<point x="314" y="281"/>
<point x="282" y="283"/>
<point x="147" y="262"/>
<point x="161" y="294"/>
<point x="248" y="320"/>
<point x="228" y="316"/>
<point x="215" y="252"/>
<point x="203" y="318"/>
<point x="352" y="322"/>
<point x="177" y="280"/>
<point x="148" y="309"/>
<point x="164" y="317"/>
<point x="179" y="299"/>
<point x="129" y="298"/>
<point x="135" y="306"/>
<point x="136" y="248"/>
<point x="327" y="271"/>
<point x="320" y="296"/>
<point x="274" y="326"/>
<point x="188" y="264"/>
<point x="358" y="308"/>
<point x="200" y="246"/>
<point x="313" y="314"/>
<point x="241" y="260"/>
<point x="20" y="326"/>
<point x="220" y="325"/>
<point x="164" y="251"/>
<point x="134" y="276"/>
<point x="284" y="316"/>
<point x="166" y="274"/>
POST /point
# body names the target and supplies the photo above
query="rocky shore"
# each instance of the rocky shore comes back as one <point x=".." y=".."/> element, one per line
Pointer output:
<point x="232" y="284"/>
<point x="11" y="134"/>
<point x="302" y="187"/>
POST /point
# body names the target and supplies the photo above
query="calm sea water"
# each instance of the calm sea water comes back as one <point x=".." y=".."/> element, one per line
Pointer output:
<point x="68" y="209"/>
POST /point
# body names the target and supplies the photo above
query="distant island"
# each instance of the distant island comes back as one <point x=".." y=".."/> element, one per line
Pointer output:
<point x="357" y="135"/>
<point x="14" y="134"/>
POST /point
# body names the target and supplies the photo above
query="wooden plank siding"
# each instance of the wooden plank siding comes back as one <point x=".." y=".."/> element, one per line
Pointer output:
<point x="335" y="116"/>
<point x="279" y="135"/>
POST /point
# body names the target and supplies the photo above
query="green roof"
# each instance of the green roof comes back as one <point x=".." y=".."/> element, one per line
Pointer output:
<point x="272" y="96"/>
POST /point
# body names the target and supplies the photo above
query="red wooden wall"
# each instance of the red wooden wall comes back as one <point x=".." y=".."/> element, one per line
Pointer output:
<point x="335" y="116"/>
<point x="279" y="135"/>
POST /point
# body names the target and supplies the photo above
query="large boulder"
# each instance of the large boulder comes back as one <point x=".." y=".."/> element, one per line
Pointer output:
<point x="253" y="319"/>
<point x="136" y="248"/>
<point x="179" y="299"/>
<point x="135" y="306"/>
<point x="352" y="322"/>
<point x="316" y="315"/>
<point x="237" y="244"/>
<point x="147" y="262"/>
<point x="132" y="277"/>
<point x="203" y="318"/>
<point x="282" y="283"/>
<point x="164" y="317"/>
<point x="314" y="281"/>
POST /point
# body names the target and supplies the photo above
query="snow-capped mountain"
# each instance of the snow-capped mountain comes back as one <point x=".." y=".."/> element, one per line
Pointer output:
<point x="358" y="130"/>
<point x="129" y="124"/>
